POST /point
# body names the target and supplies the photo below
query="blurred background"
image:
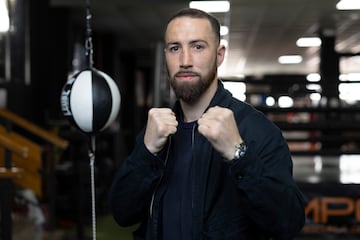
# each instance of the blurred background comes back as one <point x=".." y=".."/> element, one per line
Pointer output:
<point x="297" y="61"/>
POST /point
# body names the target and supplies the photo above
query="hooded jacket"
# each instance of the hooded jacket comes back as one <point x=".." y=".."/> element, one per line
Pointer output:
<point x="252" y="198"/>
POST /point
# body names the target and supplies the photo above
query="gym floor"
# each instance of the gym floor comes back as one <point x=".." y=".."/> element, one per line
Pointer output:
<point x="106" y="230"/>
<point x="327" y="176"/>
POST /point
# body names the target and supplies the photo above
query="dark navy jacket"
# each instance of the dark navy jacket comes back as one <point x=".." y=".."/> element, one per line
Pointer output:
<point x="254" y="198"/>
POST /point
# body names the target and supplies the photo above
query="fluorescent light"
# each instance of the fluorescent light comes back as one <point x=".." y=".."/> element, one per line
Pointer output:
<point x="290" y="59"/>
<point x="285" y="102"/>
<point x="237" y="89"/>
<point x="315" y="97"/>
<point x="313" y="77"/>
<point x="348" y="5"/>
<point x="211" y="6"/>
<point x="349" y="169"/>
<point x="349" y="91"/>
<point x="350" y="77"/>
<point x="353" y="76"/>
<point x="314" y="87"/>
<point x="224" y="42"/>
<point x="308" y="42"/>
<point x="4" y="17"/>
<point x="224" y="30"/>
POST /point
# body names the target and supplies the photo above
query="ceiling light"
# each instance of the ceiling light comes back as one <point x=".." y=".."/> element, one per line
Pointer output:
<point x="290" y="59"/>
<point x="349" y="91"/>
<point x="308" y="42"/>
<point x="237" y="89"/>
<point x="285" y="102"/>
<point x="350" y="77"/>
<point x="4" y="17"/>
<point x="314" y="87"/>
<point x="224" y="30"/>
<point x="313" y="77"/>
<point x="315" y="96"/>
<point x="224" y="42"/>
<point x="348" y="5"/>
<point x="211" y="6"/>
<point x="270" y="101"/>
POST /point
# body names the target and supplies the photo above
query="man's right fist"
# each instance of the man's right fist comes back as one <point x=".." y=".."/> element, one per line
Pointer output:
<point x="161" y="124"/>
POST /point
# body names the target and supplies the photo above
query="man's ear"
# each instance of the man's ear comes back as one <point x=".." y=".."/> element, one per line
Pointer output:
<point x="220" y="54"/>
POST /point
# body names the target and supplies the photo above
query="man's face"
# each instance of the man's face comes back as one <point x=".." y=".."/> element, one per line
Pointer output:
<point x="192" y="56"/>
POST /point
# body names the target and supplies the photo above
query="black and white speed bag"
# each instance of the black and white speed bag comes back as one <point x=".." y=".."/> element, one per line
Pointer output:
<point x="90" y="100"/>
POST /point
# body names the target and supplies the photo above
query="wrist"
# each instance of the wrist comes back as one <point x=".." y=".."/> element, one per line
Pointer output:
<point x="239" y="152"/>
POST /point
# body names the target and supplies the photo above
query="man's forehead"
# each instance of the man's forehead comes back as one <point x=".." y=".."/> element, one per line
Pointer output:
<point x="186" y="27"/>
<point x="185" y="20"/>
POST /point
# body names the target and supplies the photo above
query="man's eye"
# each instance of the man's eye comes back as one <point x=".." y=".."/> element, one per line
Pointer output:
<point x="174" y="48"/>
<point x="198" y="46"/>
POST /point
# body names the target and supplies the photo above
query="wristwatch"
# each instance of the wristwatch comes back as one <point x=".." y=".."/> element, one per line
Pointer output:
<point x="240" y="151"/>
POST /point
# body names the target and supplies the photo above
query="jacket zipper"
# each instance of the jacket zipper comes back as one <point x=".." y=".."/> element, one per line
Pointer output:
<point x="193" y="156"/>
<point x="161" y="177"/>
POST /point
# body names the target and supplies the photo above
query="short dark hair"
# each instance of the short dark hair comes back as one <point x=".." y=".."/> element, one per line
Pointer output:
<point x="196" y="13"/>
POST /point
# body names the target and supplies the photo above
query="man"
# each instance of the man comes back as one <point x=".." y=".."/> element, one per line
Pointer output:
<point x="212" y="167"/>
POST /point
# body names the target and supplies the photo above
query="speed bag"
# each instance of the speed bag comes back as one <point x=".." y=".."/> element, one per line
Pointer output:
<point x="90" y="100"/>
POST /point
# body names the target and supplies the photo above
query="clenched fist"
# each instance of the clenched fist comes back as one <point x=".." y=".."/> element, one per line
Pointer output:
<point x="219" y="127"/>
<point x="161" y="124"/>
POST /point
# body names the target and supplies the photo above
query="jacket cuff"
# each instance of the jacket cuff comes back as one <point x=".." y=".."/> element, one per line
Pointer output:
<point x="145" y="158"/>
<point x="244" y="166"/>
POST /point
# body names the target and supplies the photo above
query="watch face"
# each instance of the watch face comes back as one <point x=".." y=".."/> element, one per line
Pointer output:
<point x="237" y="153"/>
<point x="240" y="150"/>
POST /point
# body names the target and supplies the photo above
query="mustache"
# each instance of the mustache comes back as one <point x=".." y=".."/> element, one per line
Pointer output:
<point x="186" y="73"/>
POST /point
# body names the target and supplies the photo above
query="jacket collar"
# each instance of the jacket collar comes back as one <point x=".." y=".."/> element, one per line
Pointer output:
<point x="222" y="96"/>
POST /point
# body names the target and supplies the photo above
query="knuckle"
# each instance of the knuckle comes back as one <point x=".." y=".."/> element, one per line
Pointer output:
<point x="161" y="129"/>
<point x="152" y="110"/>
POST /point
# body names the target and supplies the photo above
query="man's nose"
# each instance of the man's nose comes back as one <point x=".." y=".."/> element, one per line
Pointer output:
<point x="185" y="58"/>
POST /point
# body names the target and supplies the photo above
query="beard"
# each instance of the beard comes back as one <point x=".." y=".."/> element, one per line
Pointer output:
<point x="189" y="92"/>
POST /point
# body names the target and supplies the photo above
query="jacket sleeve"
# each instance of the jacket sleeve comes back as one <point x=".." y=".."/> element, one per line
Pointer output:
<point x="264" y="174"/>
<point x="133" y="185"/>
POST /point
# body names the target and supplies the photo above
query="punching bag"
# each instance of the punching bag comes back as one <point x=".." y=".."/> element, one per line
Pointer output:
<point x="90" y="100"/>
